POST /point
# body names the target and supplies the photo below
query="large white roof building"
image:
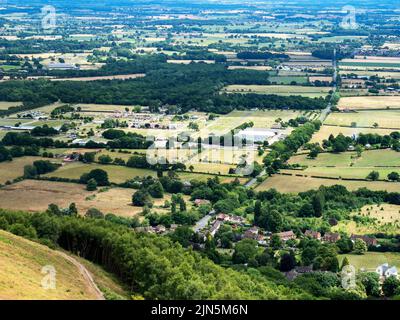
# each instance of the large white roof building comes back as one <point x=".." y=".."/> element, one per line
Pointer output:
<point x="256" y="134"/>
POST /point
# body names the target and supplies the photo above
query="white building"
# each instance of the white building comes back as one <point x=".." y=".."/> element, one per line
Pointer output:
<point x="61" y="66"/>
<point x="257" y="134"/>
<point x="385" y="271"/>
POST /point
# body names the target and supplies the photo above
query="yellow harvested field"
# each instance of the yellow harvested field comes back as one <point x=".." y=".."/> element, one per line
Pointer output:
<point x="319" y="78"/>
<point x="373" y="59"/>
<point x="369" y="102"/>
<point x="373" y="69"/>
<point x="10" y="170"/>
<point x="294" y="184"/>
<point x="385" y="213"/>
<point x="384" y="218"/>
<point x="24" y="265"/>
<point x="35" y="196"/>
<point x="212" y="168"/>
<point x="87" y="107"/>
<point x="4" y="105"/>
<point x="380" y="74"/>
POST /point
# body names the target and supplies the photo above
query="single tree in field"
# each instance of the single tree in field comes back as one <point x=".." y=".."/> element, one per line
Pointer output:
<point x="313" y="153"/>
<point x="156" y="190"/>
<point x="141" y="198"/>
<point x="94" y="213"/>
<point x="105" y="159"/>
<point x="393" y="176"/>
<point x="73" y="210"/>
<point x="359" y="150"/>
<point x="373" y="175"/>
<point x="375" y="125"/>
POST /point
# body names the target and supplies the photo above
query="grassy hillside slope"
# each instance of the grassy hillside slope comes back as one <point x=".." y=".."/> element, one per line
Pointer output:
<point x="21" y="263"/>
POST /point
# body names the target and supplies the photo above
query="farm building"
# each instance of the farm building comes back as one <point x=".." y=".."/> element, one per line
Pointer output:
<point x="256" y="134"/>
<point x="62" y="66"/>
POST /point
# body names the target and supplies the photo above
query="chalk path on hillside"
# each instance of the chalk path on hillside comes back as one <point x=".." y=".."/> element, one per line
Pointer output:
<point x="91" y="284"/>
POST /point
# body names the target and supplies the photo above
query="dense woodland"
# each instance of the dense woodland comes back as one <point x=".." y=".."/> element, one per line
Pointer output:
<point x="195" y="86"/>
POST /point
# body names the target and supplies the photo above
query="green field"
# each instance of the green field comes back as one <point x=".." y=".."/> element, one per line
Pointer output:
<point x="4" y="105"/>
<point x="371" y="260"/>
<point x="119" y="174"/>
<point x="261" y="119"/>
<point x="345" y="172"/>
<point x="324" y="159"/>
<point x="348" y="165"/>
<point x="116" y="174"/>
<point x="188" y="176"/>
<point x="372" y="158"/>
<point x="384" y="119"/>
<point x="293" y="184"/>
<point x="13" y="121"/>
<point x="371" y="64"/>
<point x="286" y="80"/>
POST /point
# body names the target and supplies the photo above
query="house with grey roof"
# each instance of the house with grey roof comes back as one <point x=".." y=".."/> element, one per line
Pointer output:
<point x="385" y="271"/>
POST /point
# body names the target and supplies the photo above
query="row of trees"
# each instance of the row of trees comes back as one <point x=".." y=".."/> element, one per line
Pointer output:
<point x="283" y="150"/>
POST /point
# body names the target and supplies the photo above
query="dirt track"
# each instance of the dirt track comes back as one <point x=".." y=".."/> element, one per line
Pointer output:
<point x="86" y="275"/>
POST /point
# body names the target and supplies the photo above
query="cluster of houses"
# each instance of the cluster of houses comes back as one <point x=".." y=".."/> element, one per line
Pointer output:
<point x="145" y="120"/>
<point x="384" y="271"/>
<point x="155" y="125"/>
<point x="159" y="229"/>
<point x="333" y="237"/>
<point x="32" y="114"/>
<point x="253" y="232"/>
<point x="263" y="238"/>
